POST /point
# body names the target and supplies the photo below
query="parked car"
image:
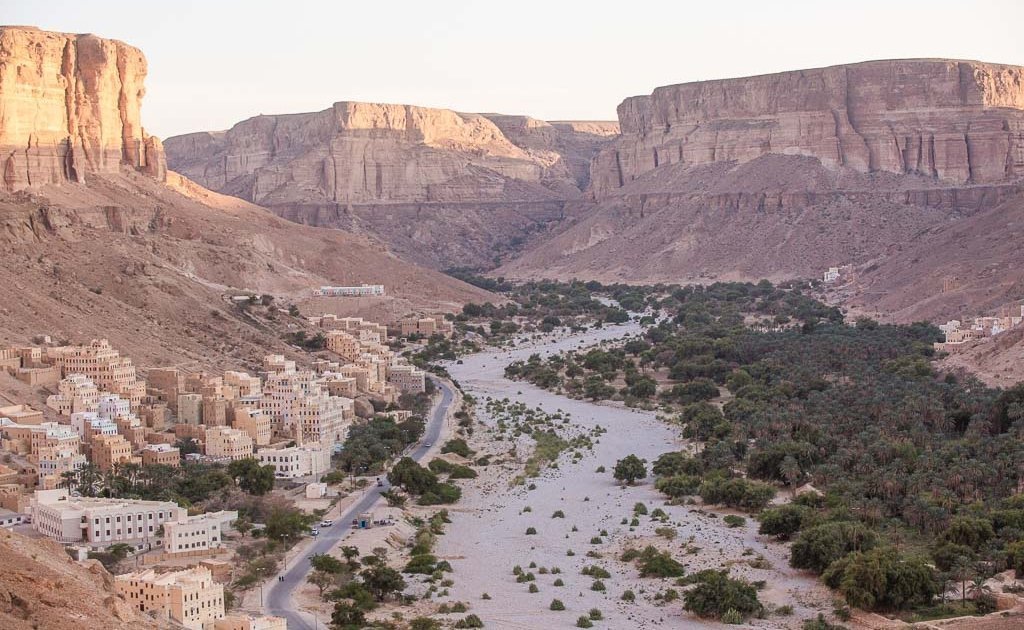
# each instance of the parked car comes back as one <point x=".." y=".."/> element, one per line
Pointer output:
<point x="314" y="532"/>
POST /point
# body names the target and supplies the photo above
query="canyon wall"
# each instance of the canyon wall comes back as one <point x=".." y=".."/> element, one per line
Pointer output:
<point x="356" y="153"/>
<point x="957" y="122"/>
<point x="70" y="106"/>
<point x="440" y="187"/>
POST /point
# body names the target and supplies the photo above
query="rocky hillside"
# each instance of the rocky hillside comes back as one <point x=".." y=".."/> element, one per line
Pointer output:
<point x="148" y="258"/>
<point x="440" y="187"/>
<point x="42" y="587"/>
<point x="784" y="175"/>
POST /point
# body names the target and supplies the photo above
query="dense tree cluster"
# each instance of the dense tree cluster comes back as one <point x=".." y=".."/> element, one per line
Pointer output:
<point x="191" y="483"/>
<point x="422" y="482"/>
<point x="370" y="446"/>
<point x="549" y="304"/>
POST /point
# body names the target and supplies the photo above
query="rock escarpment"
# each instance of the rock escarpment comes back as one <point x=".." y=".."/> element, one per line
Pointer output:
<point x="441" y="187"/>
<point x="955" y="121"/>
<point x="782" y="176"/>
<point x="70" y="106"/>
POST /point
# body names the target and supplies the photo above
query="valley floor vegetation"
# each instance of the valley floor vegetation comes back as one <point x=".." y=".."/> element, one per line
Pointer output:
<point x="915" y="475"/>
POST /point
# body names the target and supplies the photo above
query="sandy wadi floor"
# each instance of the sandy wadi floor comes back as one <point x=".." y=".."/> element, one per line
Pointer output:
<point x="487" y="536"/>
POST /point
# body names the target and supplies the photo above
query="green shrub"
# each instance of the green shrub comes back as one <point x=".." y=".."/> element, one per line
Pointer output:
<point x="457" y="446"/>
<point x="783" y="521"/>
<point x="736" y="492"/>
<point x="556" y="604"/>
<point x="654" y="563"/>
<point x="678" y="486"/>
<point x="820" y="546"/>
<point x="469" y="621"/>
<point x="715" y="594"/>
<point x="424" y="564"/>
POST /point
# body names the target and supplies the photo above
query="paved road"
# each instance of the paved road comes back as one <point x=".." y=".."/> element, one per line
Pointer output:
<point x="279" y="597"/>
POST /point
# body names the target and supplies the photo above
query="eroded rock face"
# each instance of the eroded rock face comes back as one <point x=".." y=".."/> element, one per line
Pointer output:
<point x="442" y="188"/>
<point x="955" y="121"/>
<point x="356" y="153"/>
<point x="70" y="106"/>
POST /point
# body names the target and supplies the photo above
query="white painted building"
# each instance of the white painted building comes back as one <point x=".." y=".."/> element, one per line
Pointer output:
<point x="197" y="533"/>
<point x="57" y="515"/>
<point x="112" y="406"/>
<point x="296" y="461"/>
<point x="86" y="423"/>
<point x="362" y="290"/>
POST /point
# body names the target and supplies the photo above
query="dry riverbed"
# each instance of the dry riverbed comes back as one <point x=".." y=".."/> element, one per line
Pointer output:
<point x="487" y="536"/>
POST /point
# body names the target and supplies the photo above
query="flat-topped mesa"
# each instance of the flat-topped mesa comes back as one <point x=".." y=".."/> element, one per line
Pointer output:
<point x="358" y="153"/>
<point x="69" y="106"/>
<point x="956" y="121"/>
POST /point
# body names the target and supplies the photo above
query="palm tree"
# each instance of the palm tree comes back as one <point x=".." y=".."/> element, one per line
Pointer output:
<point x="963" y="571"/>
<point x="978" y="588"/>
<point x="791" y="472"/>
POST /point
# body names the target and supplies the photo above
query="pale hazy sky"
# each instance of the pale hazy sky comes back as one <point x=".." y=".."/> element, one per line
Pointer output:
<point x="213" y="63"/>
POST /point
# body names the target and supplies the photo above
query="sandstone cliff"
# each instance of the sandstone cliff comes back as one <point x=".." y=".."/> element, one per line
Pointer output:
<point x="70" y="106"/>
<point x="470" y="183"/>
<point x="782" y="176"/>
<point x="955" y="121"/>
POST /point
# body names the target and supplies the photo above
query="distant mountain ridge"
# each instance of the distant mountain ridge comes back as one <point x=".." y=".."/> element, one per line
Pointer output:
<point x="440" y="187"/>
